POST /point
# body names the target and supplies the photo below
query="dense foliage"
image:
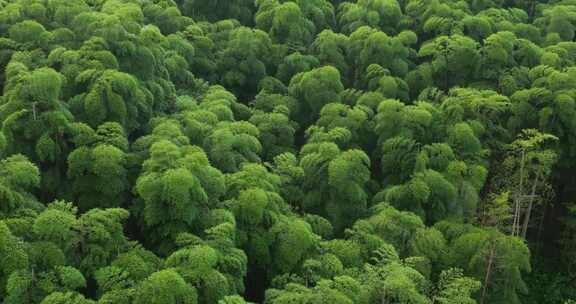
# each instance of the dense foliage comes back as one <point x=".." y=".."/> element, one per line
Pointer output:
<point x="287" y="151"/>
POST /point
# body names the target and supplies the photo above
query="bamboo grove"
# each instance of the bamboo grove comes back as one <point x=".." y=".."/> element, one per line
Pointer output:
<point x="287" y="151"/>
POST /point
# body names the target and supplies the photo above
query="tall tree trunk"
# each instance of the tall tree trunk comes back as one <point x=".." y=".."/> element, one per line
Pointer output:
<point x="529" y="210"/>
<point x="34" y="111"/>
<point x="532" y="9"/>
<point x="384" y="299"/>
<point x="517" y="198"/>
<point x="491" y="257"/>
<point x="516" y="215"/>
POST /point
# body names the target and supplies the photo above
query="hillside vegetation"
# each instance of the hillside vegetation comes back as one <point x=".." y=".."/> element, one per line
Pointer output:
<point x="287" y="151"/>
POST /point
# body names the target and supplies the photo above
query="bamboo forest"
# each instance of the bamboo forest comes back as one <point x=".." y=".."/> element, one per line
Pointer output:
<point x="288" y="151"/>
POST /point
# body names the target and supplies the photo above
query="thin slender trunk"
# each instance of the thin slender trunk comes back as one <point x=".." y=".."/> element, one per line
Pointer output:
<point x="517" y="198"/>
<point x="34" y="111"/>
<point x="516" y="215"/>
<point x="529" y="210"/>
<point x="384" y="300"/>
<point x="532" y="9"/>
<point x="488" y="273"/>
<point x="446" y="75"/>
